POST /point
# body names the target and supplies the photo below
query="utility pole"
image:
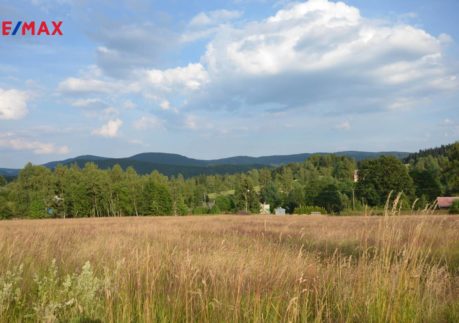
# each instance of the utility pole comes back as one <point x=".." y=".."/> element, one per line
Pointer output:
<point x="246" y="202"/>
<point x="353" y="199"/>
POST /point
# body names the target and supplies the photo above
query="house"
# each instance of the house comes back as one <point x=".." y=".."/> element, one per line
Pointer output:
<point x="264" y="208"/>
<point x="445" y="202"/>
<point x="279" y="211"/>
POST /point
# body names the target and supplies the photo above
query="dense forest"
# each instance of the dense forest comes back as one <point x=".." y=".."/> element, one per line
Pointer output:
<point x="322" y="182"/>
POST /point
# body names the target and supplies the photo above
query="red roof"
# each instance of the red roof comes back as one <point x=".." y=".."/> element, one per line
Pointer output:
<point x="446" y="201"/>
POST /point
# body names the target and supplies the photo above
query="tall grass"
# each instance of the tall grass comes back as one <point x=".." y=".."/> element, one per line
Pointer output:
<point x="231" y="269"/>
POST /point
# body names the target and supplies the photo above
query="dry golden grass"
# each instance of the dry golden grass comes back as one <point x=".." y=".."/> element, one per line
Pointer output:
<point x="231" y="269"/>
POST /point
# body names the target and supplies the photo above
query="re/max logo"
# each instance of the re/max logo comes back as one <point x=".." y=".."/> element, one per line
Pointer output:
<point x="32" y="28"/>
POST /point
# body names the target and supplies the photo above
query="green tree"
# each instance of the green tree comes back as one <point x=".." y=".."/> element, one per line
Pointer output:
<point x="246" y="198"/>
<point x="77" y="197"/>
<point x="5" y="209"/>
<point x="270" y="195"/>
<point x="133" y="189"/>
<point x="378" y="177"/>
<point x="330" y="199"/>
<point x="225" y="203"/>
<point x="96" y="183"/>
<point x="452" y="171"/>
<point x="454" y="209"/>
<point x="426" y="184"/>
<point x="2" y="181"/>
<point x="33" y="191"/>
<point x="295" y="198"/>
<point x="156" y="199"/>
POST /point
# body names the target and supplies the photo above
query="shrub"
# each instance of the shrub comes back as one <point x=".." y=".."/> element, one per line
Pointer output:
<point x="70" y="297"/>
<point x="5" y="210"/>
<point x="10" y="292"/>
<point x="454" y="209"/>
<point x="200" y="210"/>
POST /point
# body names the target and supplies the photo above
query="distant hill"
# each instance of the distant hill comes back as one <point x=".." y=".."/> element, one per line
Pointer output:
<point x="8" y="172"/>
<point x="277" y="160"/>
<point x="174" y="164"/>
<point x="53" y="164"/>
<point x="443" y="150"/>
<point x="168" y="159"/>
<point x="144" y="167"/>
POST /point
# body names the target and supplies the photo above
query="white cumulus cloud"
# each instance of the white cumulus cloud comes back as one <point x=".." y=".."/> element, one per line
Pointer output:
<point x="80" y="85"/>
<point x="214" y="17"/>
<point x="110" y="129"/>
<point x="191" y="77"/>
<point x="323" y="52"/>
<point x="320" y="56"/>
<point x="12" y="141"/>
<point x="13" y="104"/>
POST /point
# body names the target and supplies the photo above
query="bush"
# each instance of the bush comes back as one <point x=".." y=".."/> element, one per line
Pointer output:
<point x="5" y="210"/>
<point x="225" y="204"/>
<point x="309" y="209"/>
<point x="199" y="210"/>
<point x="62" y="299"/>
<point x="454" y="209"/>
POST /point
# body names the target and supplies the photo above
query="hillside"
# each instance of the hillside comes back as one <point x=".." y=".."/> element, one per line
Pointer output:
<point x="443" y="150"/>
<point x="144" y="167"/>
<point x="174" y="164"/>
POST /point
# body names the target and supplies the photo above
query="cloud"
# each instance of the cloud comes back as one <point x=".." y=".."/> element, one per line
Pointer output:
<point x="110" y="129"/>
<point x="191" y="77"/>
<point x="87" y="102"/>
<point x="11" y="141"/>
<point x="80" y="86"/>
<point x="206" y="24"/>
<point x="165" y="105"/>
<point x="214" y="17"/>
<point x="148" y="122"/>
<point x="191" y="122"/>
<point x="13" y="104"/>
<point x="322" y="53"/>
<point x="345" y="125"/>
<point x="132" y="46"/>
<point x="129" y="105"/>
<point x="319" y="56"/>
<point x="92" y="81"/>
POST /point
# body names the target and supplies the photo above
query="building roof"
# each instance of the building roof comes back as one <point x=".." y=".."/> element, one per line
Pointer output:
<point x="446" y="201"/>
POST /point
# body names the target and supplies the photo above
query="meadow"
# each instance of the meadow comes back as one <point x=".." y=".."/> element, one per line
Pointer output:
<point x="231" y="269"/>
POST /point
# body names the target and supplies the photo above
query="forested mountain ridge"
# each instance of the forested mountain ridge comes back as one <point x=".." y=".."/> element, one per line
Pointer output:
<point x="325" y="182"/>
<point x="443" y="150"/>
<point x="145" y="167"/>
<point x="174" y="164"/>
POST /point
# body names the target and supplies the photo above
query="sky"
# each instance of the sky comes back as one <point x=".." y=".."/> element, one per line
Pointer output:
<point x="211" y="79"/>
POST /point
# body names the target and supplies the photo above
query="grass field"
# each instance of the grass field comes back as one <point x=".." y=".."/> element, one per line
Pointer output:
<point x="230" y="269"/>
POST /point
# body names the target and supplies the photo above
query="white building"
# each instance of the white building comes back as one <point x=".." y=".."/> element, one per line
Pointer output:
<point x="279" y="211"/>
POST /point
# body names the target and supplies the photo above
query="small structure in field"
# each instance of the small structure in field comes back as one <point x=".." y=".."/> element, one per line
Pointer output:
<point x="279" y="211"/>
<point x="356" y="176"/>
<point x="316" y="213"/>
<point x="264" y="208"/>
<point x="445" y="202"/>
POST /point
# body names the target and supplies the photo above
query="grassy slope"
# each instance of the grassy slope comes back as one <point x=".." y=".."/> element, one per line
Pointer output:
<point x="231" y="268"/>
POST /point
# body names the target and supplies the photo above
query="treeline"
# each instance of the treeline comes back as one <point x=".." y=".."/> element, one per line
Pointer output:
<point x="441" y="151"/>
<point x="320" y="182"/>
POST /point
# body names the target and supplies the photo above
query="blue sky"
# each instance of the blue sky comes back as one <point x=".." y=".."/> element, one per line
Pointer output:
<point x="211" y="79"/>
